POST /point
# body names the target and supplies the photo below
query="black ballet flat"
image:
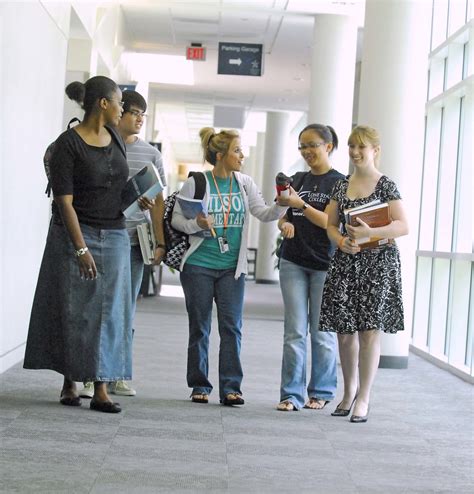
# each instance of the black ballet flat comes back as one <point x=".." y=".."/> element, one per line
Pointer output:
<point x="70" y="401"/>
<point x="359" y="419"/>
<point x="105" y="406"/>
<point x="342" y="412"/>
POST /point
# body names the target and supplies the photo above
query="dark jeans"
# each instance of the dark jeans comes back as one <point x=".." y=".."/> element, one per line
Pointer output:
<point x="201" y="287"/>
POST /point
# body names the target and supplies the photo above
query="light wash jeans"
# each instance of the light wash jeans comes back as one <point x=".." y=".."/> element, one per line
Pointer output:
<point x="136" y="270"/>
<point x="302" y="290"/>
<point x="201" y="287"/>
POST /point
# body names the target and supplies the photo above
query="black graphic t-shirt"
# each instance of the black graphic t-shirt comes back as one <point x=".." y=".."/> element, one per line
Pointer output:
<point x="310" y="247"/>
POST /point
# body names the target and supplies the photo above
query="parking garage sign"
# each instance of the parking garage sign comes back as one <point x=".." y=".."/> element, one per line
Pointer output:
<point x="240" y="59"/>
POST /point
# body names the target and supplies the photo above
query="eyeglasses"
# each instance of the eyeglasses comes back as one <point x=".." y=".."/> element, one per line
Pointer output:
<point x="137" y="114"/>
<point x="311" y="145"/>
<point x="120" y="103"/>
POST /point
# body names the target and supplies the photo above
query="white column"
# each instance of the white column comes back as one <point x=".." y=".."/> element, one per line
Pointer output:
<point x="276" y="137"/>
<point x="255" y="170"/>
<point x="392" y="100"/>
<point x="332" y="78"/>
<point x="249" y="169"/>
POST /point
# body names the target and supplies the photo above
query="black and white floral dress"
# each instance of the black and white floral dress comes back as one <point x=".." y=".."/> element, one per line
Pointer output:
<point x="363" y="291"/>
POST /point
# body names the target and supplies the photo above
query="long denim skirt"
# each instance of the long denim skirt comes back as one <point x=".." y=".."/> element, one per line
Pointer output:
<point x="83" y="328"/>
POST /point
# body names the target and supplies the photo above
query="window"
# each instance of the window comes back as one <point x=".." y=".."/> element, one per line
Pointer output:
<point x="443" y="309"/>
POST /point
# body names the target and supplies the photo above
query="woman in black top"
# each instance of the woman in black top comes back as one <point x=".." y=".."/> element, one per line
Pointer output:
<point x="80" y="323"/>
<point x="305" y="255"/>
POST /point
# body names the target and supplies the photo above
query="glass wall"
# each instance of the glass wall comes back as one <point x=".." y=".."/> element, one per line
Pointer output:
<point x="443" y="312"/>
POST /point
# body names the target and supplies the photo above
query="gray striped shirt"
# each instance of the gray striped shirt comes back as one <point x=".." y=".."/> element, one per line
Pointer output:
<point x="140" y="154"/>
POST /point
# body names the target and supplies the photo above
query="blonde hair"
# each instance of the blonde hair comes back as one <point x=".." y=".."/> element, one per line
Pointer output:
<point x="213" y="143"/>
<point x="363" y="135"/>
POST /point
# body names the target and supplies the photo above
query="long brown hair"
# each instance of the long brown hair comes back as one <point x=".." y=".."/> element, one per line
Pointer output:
<point x="363" y="135"/>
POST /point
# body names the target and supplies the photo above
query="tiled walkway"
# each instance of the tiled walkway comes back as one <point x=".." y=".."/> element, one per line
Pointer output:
<point x="419" y="437"/>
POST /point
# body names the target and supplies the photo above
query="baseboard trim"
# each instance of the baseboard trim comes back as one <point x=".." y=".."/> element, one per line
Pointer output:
<point x="12" y="357"/>
<point x="267" y="282"/>
<point x="391" y="362"/>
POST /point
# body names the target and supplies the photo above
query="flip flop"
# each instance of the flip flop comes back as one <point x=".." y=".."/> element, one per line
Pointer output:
<point x="200" y="398"/>
<point x="284" y="406"/>
<point x="232" y="399"/>
<point x="316" y="400"/>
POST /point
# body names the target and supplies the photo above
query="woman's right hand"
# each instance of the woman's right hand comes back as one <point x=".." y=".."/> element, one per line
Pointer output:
<point x="87" y="267"/>
<point x="287" y="230"/>
<point x="205" y="222"/>
<point x="348" y="246"/>
<point x="292" y="200"/>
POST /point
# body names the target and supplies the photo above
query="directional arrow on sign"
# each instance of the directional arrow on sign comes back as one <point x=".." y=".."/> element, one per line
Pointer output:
<point x="240" y="59"/>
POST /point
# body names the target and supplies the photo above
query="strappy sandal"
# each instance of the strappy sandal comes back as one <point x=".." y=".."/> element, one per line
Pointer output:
<point x="200" y="398"/>
<point x="319" y="401"/>
<point x="286" y="406"/>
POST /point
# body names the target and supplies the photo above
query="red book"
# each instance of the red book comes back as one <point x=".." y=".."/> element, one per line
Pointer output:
<point x="375" y="214"/>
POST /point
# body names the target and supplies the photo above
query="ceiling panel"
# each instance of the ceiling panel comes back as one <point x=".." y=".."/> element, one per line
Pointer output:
<point x="284" y="27"/>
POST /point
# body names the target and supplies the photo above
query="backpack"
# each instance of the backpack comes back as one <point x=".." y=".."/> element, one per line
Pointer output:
<point x="176" y="242"/>
<point x="47" y="158"/>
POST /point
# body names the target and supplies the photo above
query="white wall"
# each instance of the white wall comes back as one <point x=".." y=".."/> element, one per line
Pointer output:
<point x="33" y="51"/>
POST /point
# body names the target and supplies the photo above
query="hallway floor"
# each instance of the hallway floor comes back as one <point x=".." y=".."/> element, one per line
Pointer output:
<point x="419" y="437"/>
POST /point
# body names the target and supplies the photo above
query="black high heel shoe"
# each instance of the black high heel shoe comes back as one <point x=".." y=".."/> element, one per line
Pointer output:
<point x="342" y="412"/>
<point x="359" y="419"/>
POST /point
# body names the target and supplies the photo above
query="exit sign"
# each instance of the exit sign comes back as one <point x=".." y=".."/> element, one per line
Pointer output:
<point x="196" y="53"/>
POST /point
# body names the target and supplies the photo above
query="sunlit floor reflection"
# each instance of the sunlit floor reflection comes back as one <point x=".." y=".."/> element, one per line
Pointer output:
<point x="171" y="291"/>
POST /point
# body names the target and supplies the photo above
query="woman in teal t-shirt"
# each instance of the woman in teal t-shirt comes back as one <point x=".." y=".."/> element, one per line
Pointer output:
<point x="214" y="266"/>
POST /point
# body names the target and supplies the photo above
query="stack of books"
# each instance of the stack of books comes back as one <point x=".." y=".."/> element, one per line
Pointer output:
<point x="375" y="214"/>
<point x="146" y="237"/>
<point x="147" y="183"/>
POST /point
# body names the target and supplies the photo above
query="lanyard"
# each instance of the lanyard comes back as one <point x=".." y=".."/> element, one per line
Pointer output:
<point x="226" y="215"/>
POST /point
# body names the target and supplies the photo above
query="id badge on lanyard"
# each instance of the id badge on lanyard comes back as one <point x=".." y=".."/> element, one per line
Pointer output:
<point x="222" y="240"/>
<point x="223" y="245"/>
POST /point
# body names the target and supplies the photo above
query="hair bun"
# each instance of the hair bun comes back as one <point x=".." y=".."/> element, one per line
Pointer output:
<point x="76" y="91"/>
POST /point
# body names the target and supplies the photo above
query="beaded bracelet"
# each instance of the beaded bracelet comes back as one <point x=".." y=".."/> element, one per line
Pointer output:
<point x="80" y="252"/>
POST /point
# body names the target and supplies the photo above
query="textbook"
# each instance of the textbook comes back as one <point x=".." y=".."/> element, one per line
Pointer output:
<point x="191" y="207"/>
<point x="146" y="237"/>
<point x="146" y="182"/>
<point x="375" y="214"/>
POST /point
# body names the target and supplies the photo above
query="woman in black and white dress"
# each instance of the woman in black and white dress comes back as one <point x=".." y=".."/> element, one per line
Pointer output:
<point x="363" y="291"/>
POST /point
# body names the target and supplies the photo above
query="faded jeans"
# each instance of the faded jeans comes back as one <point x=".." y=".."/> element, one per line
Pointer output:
<point x="302" y="290"/>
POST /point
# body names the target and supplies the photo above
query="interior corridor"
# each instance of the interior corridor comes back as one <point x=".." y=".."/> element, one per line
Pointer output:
<point x="419" y="437"/>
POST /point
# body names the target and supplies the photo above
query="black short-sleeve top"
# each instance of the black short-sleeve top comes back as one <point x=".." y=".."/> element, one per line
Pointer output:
<point x="94" y="176"/>
<point x="310" y="247"/>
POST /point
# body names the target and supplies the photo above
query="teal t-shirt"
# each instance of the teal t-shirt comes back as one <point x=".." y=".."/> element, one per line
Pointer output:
<point x="208" y="254"/>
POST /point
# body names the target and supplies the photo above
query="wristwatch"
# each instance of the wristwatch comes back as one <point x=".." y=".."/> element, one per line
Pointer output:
<point x="304" y="206"/>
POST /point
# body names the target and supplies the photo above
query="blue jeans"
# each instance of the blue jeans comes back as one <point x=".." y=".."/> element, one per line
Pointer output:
<point x="201" y="287"/>
<point x="302" y="290"/>
<point x="136" y="266"/>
